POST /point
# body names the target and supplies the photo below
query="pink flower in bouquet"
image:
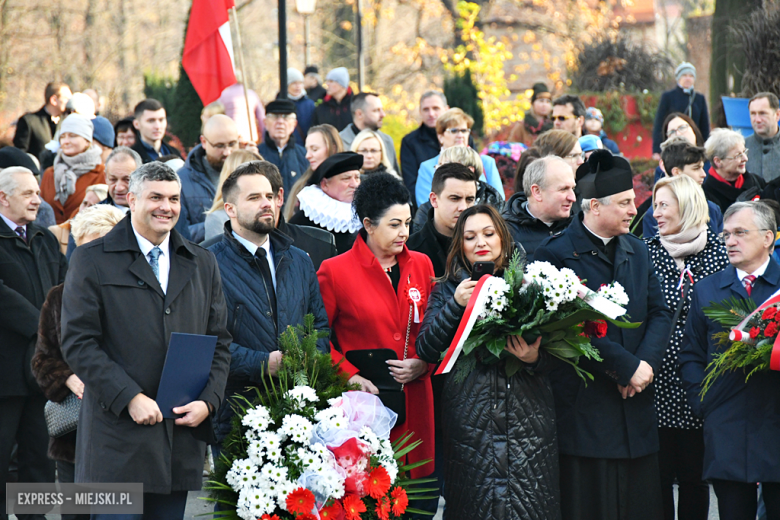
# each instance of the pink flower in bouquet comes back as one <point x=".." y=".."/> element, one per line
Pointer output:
<point x="351" y="456"/>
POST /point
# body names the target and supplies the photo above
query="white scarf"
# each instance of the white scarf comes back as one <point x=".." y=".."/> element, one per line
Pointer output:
<point x="67" y="170"/>
<point x="327" y="212"/>
<point x="685" y="244"/>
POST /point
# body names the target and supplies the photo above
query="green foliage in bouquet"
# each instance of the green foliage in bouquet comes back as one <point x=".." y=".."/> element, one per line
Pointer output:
<point x="302" y="365"/>
<point x="750" y="357"/>
<point x="526" y="314"/>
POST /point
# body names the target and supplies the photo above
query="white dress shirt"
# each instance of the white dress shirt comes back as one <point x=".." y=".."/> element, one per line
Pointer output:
<point x="757" y="273"/>
<point x="252" y="248"/>
<point x="164" y="260"/>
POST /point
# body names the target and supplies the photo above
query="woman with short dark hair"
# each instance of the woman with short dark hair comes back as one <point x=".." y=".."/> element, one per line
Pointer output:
<point x="375" y="296"/>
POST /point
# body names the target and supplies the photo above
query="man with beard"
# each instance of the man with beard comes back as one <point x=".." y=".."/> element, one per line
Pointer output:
<point x="268" y="283"/>
<point x="368" y="112"/>
<point x="200" y="174"/>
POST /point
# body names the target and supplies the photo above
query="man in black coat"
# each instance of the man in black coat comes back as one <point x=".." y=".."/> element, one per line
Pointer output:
<point x="334" y="109"/>
<point x="124" y="296"/>
<point x="151" y="121"/>
<point x="544" y="206"/>
<point x="453" y="189"/>
<point x="35" y="129"/>
<point x="30" y="264"/>
<point x="422" y="144"/>
<point x="607" y="428"/>
<point x="269" y="284"/>
<point x="684" y="99"/>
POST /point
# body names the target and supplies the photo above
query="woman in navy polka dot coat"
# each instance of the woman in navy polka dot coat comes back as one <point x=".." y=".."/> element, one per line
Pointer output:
<point x="684" y="251"/>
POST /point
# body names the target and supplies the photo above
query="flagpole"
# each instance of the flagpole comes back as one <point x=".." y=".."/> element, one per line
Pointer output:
<point x="243" y="76"/>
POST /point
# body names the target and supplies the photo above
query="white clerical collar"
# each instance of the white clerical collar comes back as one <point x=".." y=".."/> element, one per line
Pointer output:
<point x="605" y="240"/>
<point x="757" y="273"/>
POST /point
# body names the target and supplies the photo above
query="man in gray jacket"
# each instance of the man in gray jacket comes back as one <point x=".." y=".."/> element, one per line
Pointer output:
<point x="764" y="145"/>
<point x="367" y="112"/>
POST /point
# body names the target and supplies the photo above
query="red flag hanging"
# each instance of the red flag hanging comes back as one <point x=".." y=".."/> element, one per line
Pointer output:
<point x="208" y="49"/>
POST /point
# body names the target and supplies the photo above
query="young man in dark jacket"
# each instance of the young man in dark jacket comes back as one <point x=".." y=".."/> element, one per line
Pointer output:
<point x="454" y="188"/>
<point x="279" y="147"/>
<point x="30" y="264"/>
<point x="335" y="109"/>
<point x="151" y="121"/>
<point x="35" y="129"/>
<point x="422" y="144"/>
<point x="544" y="206"/>
<point x="268" y="283"/>
<point x="608" y="428"/>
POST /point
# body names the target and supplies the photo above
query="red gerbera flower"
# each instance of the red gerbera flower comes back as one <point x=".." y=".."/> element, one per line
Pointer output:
<point x="769" y="313"/>
<point x="306" y="516"/>
<point x="300" y="501"/>
<point x="353" y="506"/>
<point x="378" y="482"/>
<point x="771" y="330"/>
<point x="269" y="517"/>
<point x="383" y="508"/>
<point x="399" y="501"/>
<point x="332" y="512"/>
<point x="754" y="332"/>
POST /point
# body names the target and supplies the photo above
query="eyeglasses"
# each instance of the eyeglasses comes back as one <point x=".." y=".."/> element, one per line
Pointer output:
<point x="233" y="145"/>
<point x="737" y="156"/>
<point x="575" y="155"/>
<point x="738" y="233"/>
<point x="679" y="130"/>
<point x="286" y="117"/>
<point x="561" y="119"/>
<point x="369" y="152"/>
<point x="455" y="131"/>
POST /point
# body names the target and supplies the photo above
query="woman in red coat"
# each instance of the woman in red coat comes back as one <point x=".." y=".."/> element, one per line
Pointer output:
<point x="375" y="295"/>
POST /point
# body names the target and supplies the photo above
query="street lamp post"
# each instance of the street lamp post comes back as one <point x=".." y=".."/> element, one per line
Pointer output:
<point x="360" y="60"/>
<point x="305" y="8"/>
<point x="282" y="49"/>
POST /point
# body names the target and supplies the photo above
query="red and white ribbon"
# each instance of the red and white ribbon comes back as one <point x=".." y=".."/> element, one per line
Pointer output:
<point x="739" y="334"/>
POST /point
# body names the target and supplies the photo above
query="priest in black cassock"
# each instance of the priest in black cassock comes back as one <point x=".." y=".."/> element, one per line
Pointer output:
<point x="607" y="434"/>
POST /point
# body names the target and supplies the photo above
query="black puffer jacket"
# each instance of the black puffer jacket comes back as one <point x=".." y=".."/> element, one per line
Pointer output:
<point x="499" y="435"/>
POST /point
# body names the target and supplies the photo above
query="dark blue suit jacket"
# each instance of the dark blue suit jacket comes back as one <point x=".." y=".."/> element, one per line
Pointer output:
<point x="741" y="419"/>
<point x="594" y="420"/>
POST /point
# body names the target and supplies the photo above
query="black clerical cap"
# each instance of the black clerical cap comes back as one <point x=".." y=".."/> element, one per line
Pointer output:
<point x="605" y="175"/>
<point x="336" y="164"/>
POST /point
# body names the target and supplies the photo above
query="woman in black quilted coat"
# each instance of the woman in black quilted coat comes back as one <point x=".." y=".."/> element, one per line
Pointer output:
<point x="500" y="445"/>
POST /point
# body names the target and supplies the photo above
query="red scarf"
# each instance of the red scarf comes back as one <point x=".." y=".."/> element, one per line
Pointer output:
<point x="737" y="184"/>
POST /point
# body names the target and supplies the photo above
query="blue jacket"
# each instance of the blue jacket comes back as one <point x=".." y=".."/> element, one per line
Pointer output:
<point x="197" y="193"/>
<point x="304" y="111"/>
<point x="422" y="187"/>
<point x="650" y="225"/>
<point x="676" y="100"/>
<point x="609" y="144"/>
<point x="741" y="419"/>
<point x="593" y="419"/>
<point x="291" y="162"/>
<point x="255" y="332"/>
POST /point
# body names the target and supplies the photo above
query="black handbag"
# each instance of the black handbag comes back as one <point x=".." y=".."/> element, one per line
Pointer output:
<point x="62" y="418"/>
<point x="372" y="365"/>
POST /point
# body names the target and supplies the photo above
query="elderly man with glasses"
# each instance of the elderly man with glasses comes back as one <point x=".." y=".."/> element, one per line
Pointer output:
<point x="728" y="180"/>
<point x="741" y="417"/>
<point x="200" y="174"/>
<point x="278" y="148"/>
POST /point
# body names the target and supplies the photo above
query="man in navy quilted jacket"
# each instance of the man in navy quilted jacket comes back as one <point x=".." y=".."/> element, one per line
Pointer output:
<point x="268" y="283"/>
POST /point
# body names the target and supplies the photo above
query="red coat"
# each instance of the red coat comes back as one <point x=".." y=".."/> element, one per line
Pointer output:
<point x="365" y="313"/>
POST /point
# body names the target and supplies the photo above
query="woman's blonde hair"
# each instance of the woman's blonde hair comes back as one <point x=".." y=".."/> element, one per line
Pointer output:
<point x="233" y="161"/>
<point x="694" y="211"/>
<point x="368" y="134"/>
<point x="464" y="155"/>
<point x="98" y="219"/>
<point x="101" y="190"/>
<point x="333" y="143"/>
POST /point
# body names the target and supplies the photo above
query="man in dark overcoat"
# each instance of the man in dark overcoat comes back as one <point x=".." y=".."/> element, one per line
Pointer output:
<point x="126" y="293"/>
<point x="741" y="418"/>
<point x="607" y="432"/>
<point x="35" y="129"/>
<point x="30" y="264"/>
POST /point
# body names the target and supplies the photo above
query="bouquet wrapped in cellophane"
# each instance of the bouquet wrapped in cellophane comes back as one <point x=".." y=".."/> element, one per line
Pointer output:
<point x="538" y="301"/>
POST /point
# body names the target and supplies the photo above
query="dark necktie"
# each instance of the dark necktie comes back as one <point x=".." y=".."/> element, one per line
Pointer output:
<point x="21" y="232"/>
<point x="265" y="270"/>
<point x="748" y="282"/>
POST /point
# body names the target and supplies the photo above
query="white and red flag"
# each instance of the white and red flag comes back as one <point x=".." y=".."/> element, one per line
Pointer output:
<point x="208" y="49"/>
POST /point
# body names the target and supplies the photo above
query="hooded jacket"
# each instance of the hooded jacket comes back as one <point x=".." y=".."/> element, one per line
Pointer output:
<point x="527" y="229"/>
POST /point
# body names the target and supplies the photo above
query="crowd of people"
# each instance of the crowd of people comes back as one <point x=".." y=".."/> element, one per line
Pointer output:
<point x="110" y="241"/>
